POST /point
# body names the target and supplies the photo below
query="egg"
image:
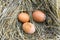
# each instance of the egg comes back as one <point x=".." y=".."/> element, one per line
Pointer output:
<point x="28" y="28"/>
<point x="23" y="17"/>
<point x="39" y="16"/>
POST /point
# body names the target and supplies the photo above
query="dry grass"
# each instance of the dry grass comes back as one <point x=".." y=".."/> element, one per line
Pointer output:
<point x="10" y="27"/>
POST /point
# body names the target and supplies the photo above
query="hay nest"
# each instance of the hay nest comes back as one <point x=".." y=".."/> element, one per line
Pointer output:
<point x="10" y="27"/>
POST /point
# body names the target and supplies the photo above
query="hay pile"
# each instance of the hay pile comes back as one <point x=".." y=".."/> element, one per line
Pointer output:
<point x="10" y="27"/>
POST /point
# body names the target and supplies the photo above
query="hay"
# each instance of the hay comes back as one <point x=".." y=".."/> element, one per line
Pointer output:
<point x="10" y="27"/>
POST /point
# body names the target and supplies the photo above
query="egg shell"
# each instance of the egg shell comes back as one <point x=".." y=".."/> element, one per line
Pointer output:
<point x="39" y="16"/>
<point x="28" y="28"/>
<point x="23" y="17"/>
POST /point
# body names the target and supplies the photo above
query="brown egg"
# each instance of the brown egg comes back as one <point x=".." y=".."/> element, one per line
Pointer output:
<point x="28" y="27"/>
<point x="39" y="16"/>
<point x="23" y="17"/>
